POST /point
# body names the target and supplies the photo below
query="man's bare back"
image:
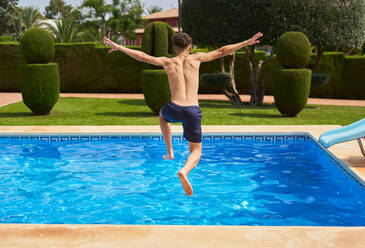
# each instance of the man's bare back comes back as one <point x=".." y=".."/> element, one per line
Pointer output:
<point x="183" y="74"/>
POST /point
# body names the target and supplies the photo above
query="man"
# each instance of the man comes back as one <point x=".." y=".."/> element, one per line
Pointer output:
<point x="183" y="74"/>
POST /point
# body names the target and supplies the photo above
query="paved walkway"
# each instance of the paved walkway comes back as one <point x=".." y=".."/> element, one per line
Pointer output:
<point x="8" y="98"/>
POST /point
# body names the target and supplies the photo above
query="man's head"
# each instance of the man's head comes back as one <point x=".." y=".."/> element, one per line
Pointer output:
<point x="181" y="42"/>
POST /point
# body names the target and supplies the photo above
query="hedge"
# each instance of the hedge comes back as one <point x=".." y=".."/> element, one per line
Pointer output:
<point x="6" y="38"/>
<point x="353" y="83"/>
<point x="87" y="68"/>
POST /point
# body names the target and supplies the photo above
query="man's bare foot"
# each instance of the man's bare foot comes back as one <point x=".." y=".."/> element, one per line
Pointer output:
<point x="169" y="156"/>
<point x="185" y="183"/>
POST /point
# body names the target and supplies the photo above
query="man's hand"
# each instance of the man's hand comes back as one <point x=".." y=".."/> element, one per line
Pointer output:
<point x="254" y="40"/>
<point x="114" y="46"/>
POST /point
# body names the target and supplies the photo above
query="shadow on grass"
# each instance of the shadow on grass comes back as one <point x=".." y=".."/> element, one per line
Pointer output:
<point x="134" y="102"/>
<point x="128" y="114"/>
<point x="245" y="105"/>
<point x="17" y="114"/>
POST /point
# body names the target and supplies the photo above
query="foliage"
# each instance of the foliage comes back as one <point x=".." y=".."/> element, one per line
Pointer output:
<point x="126" y="17"/>
<point x="6" y="38"/>
<point x="40" y="86"/>
<point x="354" y="72"/>
<point x="156" y="89"/>
<point x="293" y="50"/>
<point x="87" y="68"/>
<point x="31" y="18"/>
<point x="37" y="46"/>
<point x="291" y="90"/>
<point x="58" y="9"/>
<point x="9" y="17"/>
<point x="220" y="80"/>
<point x="66" y="30"/>
<point x="154" y="9"/>
<point x="157" y="39"/>
<point x="97" y="10"/>
<point x="216" y="22"/>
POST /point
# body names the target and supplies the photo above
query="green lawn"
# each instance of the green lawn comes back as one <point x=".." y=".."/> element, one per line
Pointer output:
<point x="89" y="111"/>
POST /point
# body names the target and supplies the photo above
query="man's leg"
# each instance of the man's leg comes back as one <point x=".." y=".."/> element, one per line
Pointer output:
<point x="191" y="162"/>
<point x="166" y="132"/>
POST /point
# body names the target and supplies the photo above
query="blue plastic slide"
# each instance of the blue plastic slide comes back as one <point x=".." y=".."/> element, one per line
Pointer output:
<point x="354" y="131"/>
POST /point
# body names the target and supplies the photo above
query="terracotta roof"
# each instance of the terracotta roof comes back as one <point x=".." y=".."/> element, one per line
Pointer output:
<point x="171" y="13"/>
<point x="141" y="30"/>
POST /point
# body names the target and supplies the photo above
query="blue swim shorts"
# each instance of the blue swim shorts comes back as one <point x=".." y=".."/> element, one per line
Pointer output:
<point x="189" y="116"/>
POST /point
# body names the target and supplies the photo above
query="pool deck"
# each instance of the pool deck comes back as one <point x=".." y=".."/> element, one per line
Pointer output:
<point x="29" y="235"/>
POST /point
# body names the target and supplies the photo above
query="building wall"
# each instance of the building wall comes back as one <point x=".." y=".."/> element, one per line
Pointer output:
<point x="173" y="22"/>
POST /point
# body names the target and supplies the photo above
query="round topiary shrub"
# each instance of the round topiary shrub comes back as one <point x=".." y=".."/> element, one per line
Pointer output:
<point x="37" y="46"/>
<point x="156" y="89"/>
<point x="157" y="39"/>
<point x="40" y="86"/>
<point x="291" y="88"/>
<point x="293" y="50"/>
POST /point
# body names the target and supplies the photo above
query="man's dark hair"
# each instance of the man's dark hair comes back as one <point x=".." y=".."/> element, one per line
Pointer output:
<point x="181" y="40"/>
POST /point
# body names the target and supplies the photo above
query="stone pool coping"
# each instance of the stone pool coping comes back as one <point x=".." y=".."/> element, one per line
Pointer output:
<point x="33" y="235"/>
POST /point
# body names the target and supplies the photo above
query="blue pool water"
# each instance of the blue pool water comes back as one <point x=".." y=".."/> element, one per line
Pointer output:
<point x="280" y="180"/>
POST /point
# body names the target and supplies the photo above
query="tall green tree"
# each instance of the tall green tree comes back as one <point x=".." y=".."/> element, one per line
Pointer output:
<point x="217" y="22"/>
<point x="58" y="9"/>
<point x="9" y="17"/>
<point x="154" y="9"/>
<point x="126" y="17"/>
<point x="97" y="10"/>
<point x="31" y="17"/>
<point x="66" y="30"/>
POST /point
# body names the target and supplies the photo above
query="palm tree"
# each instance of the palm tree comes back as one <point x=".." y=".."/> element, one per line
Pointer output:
<point x="66" y="30"/>
<point x="31" y="18"/>
<point x="154" y="9"/>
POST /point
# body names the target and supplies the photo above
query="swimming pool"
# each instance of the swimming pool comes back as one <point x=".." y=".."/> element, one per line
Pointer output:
<point x="242" y="179"/>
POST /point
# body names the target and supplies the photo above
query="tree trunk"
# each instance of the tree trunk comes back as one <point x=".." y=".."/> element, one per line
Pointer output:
<point x="258" y="85"/>
<point x="230" y="91"/>
<point x="320" y="51"/>
<point x="253" y="75"/>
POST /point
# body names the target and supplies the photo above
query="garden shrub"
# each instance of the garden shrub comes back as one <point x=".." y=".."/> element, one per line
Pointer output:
<point x="293" y="50"/>
<point x="37" y="46"/>
<point x="291" y="90"/>
<point x="10" y="58"/>
<point x="353" y="86"/>
<point x="6" y="38"/>
<point x="156" y="89"/>
<point x="85" y="68"/>
<point x="332" y="63"/>
<point x="291" y="87"/>
<point x="220" y="80"/>
<point x="40" y="86"/>
<point x="157" y="40"/>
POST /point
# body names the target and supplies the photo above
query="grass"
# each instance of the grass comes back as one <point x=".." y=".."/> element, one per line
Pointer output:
<point x="90" y="111"/>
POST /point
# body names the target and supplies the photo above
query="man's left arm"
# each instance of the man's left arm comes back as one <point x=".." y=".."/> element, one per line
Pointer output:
<point x="138" y="55"/>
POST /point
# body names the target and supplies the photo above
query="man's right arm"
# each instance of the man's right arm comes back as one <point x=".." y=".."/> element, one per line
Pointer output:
<point x="227" y="50"/>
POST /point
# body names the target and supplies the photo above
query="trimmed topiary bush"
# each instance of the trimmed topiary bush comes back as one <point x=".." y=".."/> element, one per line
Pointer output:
<point x="293" y="50"/>
<point x="37" y="46"/>
<point x="157" y="39"/>
<point x="156" y="89"/>
<point x="39" y="80"/>
<point x="40" y="86"/>
<point x="6" y="38"/>
<point x="291" y="90"/>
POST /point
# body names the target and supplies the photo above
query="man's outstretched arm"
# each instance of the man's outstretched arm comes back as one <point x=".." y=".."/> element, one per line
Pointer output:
<point x="229" y="49"/>
<point x="138" y="55"/>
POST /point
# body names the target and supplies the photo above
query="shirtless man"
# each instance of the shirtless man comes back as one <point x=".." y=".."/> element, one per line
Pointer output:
<point x="183" y="74"/>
